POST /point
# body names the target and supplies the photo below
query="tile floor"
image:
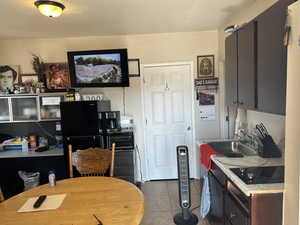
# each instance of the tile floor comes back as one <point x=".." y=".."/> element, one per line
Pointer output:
<point x="161" y="201"/>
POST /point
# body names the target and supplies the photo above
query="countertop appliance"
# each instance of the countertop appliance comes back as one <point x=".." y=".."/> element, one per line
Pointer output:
<point x="79" y="118"/>
<point x="79" y="123"/>
<point x="260" y="175"/>
<point x="110" y="120"/>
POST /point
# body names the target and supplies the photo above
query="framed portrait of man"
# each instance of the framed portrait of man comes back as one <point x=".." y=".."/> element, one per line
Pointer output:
<point x="57" y="77"/>
<point x="205" y="66"/>
<point x="9" y="75"/>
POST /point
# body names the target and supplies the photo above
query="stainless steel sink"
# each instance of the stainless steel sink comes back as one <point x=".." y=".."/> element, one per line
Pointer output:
<point x="225" y="147"/>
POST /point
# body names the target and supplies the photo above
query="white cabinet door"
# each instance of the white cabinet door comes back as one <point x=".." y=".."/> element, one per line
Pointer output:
<point x="25" y="109"/>
<point x="168" y="111"/>
<point x="4" y="110"/>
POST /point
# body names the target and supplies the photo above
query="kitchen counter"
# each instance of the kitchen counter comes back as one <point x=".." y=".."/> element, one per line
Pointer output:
<point x="19" y="154"/>
<point x="225" y="163"/>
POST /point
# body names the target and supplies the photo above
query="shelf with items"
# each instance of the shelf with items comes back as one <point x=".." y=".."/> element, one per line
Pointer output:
<point x="30" y="108"/>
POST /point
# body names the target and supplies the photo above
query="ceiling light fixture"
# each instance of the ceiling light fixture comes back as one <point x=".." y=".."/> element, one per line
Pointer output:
<point x="49" y="8"/>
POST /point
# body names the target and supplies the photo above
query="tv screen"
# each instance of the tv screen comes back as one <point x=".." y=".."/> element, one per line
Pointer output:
<point x="99" y="68"/>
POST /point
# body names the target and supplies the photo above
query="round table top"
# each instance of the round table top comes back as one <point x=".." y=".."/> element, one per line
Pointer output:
<point x="113" y="201"/>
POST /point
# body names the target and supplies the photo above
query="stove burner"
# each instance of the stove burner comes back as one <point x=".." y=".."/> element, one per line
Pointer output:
<point x="260" y="175"/>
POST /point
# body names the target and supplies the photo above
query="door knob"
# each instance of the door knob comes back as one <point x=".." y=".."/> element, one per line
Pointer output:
<point x="189" y="128"/>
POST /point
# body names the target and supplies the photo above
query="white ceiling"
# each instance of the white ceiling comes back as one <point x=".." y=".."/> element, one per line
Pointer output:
<point x="20" y="18"/>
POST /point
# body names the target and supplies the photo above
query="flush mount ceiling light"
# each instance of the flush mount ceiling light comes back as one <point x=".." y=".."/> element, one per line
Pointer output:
<point x="49" y="8"/>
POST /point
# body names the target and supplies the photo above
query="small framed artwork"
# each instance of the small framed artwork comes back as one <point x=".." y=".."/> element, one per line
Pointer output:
<point x="9" y="75"/>
<point x="25" y="78"/>
<point x="134" y="67"/>
<point x="57" y="77"/>
<point x="205" y="66"/>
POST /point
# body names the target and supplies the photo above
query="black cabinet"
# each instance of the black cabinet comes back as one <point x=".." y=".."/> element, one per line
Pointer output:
<point x="240" y="67"/>
<point x="256" y="62"/>
<point x="247" y="66"/>
<point x="217" y="191"/>
<point x="272" y="59"/>
<point x="231" y="71"/>
<point x="124" y="158"/>
<point x="124" y="165"/>
<point x="12" y="184"/>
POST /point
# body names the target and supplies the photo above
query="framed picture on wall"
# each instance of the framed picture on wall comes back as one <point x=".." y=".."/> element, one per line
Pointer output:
<point x="25" y="78"/>
<point x="205" y="66"/>
<point x="57" y="77"/>
<point x="134" y="67"/>
<point x="9" y="75"/>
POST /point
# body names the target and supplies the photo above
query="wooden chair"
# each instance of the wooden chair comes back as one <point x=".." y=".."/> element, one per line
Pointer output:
<point x="1" y="196"/>
<point x="92" y="161"/>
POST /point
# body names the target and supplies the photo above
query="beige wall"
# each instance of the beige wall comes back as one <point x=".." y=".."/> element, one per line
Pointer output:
<point x="292" y="154"/>
<point x="151" y="48"/>
<point x="276" y="123"/>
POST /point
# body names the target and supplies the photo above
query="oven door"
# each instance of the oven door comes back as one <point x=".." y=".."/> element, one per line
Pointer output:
<point x="217" y="192"/>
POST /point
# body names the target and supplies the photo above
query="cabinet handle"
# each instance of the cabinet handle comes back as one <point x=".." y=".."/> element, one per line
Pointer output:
<point x="241" y="103"/>
<point x="232" y="215"/>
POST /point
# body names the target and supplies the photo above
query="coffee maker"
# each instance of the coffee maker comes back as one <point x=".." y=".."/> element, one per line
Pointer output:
<point x="110" y="121"/>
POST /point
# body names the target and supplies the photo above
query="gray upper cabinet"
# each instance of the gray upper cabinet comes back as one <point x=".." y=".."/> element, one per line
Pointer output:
<point x="247" y="66"/>
<point x="271" y="59"/>
<point x="240" y="67"/>
<point x="260" y="61"/>
<point x="231" y="70"/>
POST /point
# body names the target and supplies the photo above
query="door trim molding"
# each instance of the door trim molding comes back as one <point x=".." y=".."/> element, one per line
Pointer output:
<point x="192" y="151"/>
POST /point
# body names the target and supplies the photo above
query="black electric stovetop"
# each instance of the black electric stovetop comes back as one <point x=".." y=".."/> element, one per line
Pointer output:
<point x="260" y="175"/>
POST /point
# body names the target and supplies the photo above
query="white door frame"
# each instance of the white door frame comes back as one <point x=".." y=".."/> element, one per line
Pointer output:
<point x="192" y="153"/>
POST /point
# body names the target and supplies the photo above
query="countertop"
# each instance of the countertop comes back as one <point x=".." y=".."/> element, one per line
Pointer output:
<point x="19" y="154"/>
<point x="225" y="163"/>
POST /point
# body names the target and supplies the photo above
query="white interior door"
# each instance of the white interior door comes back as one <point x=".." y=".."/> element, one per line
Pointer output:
<point x="168" y="112"/>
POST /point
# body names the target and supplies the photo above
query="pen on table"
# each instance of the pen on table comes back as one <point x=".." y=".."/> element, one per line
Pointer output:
<point x="99" y="221"/>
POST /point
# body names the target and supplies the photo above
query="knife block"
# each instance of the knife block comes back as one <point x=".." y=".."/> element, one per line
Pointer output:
<point x="269" y="149"/>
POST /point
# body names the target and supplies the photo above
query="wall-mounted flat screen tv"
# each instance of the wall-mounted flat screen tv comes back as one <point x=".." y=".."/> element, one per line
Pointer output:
<point x="99" y="68"/>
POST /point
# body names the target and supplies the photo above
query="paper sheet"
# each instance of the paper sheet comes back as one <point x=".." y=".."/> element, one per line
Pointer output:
<point x="52" y="202"/>
<point x="51" y="100"/>
<point x="208" y="112"/>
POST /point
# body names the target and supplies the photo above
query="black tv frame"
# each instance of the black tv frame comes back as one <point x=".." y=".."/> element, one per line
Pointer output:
<point x="124" y="68"/>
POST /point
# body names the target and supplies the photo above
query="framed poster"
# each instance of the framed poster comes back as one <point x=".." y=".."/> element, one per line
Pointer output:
<point x="134" y="67"/>
<point x="205" y="66"/>
<point x="57" y="77"/>
<point x="9" y="75"/>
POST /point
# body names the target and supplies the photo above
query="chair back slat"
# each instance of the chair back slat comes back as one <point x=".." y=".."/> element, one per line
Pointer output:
<point x="1" y="195"/>
<point x="92" y="161"/>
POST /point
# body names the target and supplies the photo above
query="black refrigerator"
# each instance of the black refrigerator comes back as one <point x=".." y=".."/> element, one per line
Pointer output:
<point x="80" y="125"/>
